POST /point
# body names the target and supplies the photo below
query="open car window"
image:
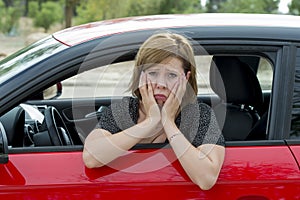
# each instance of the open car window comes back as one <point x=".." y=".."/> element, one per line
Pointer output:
<point x="113" y="80"/>
<point x="106" y="81"/>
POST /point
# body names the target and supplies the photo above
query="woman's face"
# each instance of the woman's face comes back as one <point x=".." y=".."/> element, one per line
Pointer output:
<point x="163" y="77"/>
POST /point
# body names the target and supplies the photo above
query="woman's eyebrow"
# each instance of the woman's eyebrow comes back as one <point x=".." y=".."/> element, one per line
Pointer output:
<point x="174" y="71"/>
<point x="153" y="68"/>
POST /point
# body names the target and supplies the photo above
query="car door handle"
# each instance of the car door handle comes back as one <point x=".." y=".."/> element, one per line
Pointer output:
<point x="96" y="114"/>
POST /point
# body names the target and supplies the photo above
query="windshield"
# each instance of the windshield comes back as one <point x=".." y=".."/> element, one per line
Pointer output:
<point x="28" y="56"/>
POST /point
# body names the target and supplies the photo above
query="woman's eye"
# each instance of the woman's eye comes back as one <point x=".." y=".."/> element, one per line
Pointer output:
<point x="152" y="73"/>
<point x="172" y="75"/>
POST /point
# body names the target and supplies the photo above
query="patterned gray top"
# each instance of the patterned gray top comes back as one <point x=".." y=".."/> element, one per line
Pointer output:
<point x="196" y="121"/>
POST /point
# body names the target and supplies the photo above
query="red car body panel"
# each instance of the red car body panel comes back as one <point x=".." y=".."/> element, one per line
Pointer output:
<point x="248" y="172"/>
<point x="296" y="151"/>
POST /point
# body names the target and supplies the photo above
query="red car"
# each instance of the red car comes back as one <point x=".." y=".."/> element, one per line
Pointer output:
<point x="43" y="124"/>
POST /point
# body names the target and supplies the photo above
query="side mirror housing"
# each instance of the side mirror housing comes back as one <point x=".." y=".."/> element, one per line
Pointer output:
<point x="3" y="145"/>
<point x="52" y="92"/>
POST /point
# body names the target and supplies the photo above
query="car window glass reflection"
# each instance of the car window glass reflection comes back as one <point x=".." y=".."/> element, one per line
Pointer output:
<point x="106" y="81"/>
<point x="265" y="74"/>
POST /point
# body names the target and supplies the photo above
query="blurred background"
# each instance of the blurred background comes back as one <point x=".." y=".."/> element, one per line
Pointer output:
<point x="23" y="22"/>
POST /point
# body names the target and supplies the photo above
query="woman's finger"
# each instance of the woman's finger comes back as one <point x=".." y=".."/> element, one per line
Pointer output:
<point x="172" y="96"/>
<point x="150" y="91"/>
<point x="181" y="88"/>
<point x="149" y="86"/>
<point x="143" y="84"/>
<point x="175" y="87"/>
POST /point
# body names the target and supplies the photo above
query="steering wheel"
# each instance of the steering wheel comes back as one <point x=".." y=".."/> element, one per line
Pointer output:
<point x="57" y="129"/>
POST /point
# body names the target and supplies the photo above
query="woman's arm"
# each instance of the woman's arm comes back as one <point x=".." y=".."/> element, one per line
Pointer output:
<point x="101" y="147"/>
<point x="202" y="164"/>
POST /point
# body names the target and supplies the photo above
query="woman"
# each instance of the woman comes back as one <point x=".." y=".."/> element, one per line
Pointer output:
<point x="164" y="108"/>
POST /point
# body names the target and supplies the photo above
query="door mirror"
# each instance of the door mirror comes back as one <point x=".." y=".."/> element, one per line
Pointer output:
<point x="52" y="92"/>
<point x="3" y="145"/>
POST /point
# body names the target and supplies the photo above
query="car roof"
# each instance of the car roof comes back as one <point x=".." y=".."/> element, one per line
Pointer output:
<point x="82" y="33"/>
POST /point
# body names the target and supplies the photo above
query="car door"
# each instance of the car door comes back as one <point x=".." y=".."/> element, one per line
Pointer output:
<point x="273" y="157"/>
<point x="249" y="165"/>
<point x="253" y="166"/>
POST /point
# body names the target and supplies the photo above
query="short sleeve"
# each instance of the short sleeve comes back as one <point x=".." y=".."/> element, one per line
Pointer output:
<point x="120" y="115"/>
<point x="213" y="134"/>
<point x="107" y="122"/>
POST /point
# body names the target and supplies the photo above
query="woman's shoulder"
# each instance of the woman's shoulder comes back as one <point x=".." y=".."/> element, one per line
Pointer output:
<point x="120" y="115"/>
<point x="132" y="100"/>
<point x="198" y="106"/>
<point x="126" y="107"/>
<point x="125" y="102"/>
<point x="204" y="105"/>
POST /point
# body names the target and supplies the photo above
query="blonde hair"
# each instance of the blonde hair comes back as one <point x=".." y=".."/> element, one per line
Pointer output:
<point x="159" y="47"/>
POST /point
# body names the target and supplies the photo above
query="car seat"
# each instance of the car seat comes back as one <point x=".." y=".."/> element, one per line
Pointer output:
<point x="238" y="87"/>
<point x="13" y="122"/>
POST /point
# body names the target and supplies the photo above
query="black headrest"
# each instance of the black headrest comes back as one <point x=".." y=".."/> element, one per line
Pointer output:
<point x="234" y="81"/>
<point x="13" y="122"/>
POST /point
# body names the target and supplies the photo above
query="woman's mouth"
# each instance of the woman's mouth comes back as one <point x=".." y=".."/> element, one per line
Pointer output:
<point x="160" y="97"/>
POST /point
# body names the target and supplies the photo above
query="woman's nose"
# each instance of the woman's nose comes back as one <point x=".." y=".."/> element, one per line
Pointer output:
<point x="161" y="82"/>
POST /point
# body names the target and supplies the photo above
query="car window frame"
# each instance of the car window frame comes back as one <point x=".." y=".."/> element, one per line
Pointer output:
<point x="268" y="52"/>
<point x="294" y="112"/>
<point x="267" y="49"/>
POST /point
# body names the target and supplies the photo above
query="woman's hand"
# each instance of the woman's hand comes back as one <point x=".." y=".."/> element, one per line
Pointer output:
<point x="150" y="106"/>
<point x="172" y="104"/>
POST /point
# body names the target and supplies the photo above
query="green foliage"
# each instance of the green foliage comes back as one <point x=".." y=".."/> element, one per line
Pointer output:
<point x="213" y="5"/>
<point x="33" y="9"/>
<point x="9" y="18"/>
<point x="91" y="10"/>
<point x="142" y="7"/>
<point x="249" y="6"/>
<point x="294" y="7"/>
<point x="50" y="13"/>
<point x="271" y="6"/>
<point x="179" y="6"/>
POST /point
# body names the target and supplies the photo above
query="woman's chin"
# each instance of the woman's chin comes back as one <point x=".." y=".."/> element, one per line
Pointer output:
<point x="160" y="103"/>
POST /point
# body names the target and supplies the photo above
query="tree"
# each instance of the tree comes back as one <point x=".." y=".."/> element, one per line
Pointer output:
<point x="9" y="17"/>
<point x="70" y="6"/>
<point x="213" y="6"/>
<point x="143" y="7"/>
<point x="294" y="7"/>
<point x="33" y="9"/>
<point x="49" y="14"/>
<point x="8" y="3"/>
<point x="271" y="6"/>
<point x="249" y="6"/>
<point x="91" y="10"/>
<point x="179" y="6"/>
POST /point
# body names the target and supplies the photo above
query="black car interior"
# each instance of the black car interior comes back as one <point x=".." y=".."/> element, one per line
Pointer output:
<point x="13" y="123"/>
<point x="239" y="104"/>
<point x="238" y="87"/>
